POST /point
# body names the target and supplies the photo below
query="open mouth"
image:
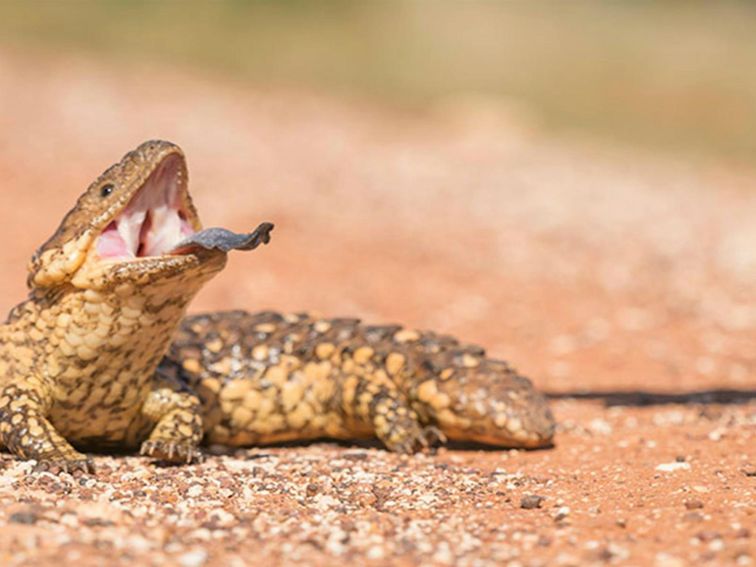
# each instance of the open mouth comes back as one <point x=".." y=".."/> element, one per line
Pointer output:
<point x="154" y="222"/>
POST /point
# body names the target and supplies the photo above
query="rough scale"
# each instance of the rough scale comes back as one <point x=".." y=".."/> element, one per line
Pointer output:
<point x="87" y="362"/>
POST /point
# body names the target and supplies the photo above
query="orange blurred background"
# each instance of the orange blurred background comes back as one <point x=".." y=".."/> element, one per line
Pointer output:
<point x="570" y="185"/>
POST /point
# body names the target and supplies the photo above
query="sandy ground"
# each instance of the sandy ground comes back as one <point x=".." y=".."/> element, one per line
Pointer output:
<point x="623" y="283"/>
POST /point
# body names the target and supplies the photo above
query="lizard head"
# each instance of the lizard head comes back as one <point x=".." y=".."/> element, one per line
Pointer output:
<point x="135" y="221"/>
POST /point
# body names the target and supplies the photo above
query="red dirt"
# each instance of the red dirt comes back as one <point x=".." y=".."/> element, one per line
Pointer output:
<point x="622" y="283"/>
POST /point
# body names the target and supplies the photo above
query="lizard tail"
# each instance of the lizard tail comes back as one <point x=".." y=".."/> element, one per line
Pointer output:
<point x="470" y="397"/>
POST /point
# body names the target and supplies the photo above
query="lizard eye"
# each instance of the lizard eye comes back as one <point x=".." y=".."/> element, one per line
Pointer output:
<point x="106" y="190"/>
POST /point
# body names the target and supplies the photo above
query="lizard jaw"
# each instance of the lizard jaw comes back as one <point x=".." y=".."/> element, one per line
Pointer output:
<point x="137" y="217"/>
<point x="154" y="221"/>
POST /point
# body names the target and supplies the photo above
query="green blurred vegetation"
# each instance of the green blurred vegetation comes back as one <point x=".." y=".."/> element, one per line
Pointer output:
<point x="678" y="75"/>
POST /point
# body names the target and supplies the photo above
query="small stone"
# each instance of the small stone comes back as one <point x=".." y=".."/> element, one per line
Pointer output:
<point x="716" y="545"/>
<point x="193" y="558"/>
<point x="708" y="535"/>
<point x="742" y="533"/>
<point x="600" y="426"/>
<point x="562" y="513"/>
<point x="667" y="560"/>
<point x="672" y="467"/>
<point x="531" y="501"/>
<point x="617" y="552"/>
<point x="356" y="456"/>
<point x="138" y="544"/>
<point x="544" y="541"/>
<point x="717" y="434"/>
<point x="693" y="504"/>
<point x="375" y="553"/>
<point x="98" y="522"/>
<point x="25" y="517"/>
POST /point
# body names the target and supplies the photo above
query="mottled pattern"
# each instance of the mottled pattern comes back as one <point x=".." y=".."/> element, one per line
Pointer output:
<point x="79" y="359"/>
<point x="267" y="377"/>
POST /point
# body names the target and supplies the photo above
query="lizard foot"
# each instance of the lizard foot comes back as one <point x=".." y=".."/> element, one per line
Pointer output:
<point x="171" y="451"/>
<point x="415" y="439"/>
<point x="71" y="466"/>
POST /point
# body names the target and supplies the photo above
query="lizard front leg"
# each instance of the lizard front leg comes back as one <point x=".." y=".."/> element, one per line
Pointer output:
<point x="27" y="433"/>
<point x="175" y="413"/>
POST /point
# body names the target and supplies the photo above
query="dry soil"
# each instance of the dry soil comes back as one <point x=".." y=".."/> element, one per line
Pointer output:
<point x="622" y="282"/>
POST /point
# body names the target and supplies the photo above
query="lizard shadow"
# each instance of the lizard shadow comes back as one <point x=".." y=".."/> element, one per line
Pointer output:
<point x="475" y="446"/>
<point x="362" y="445"/>
<point x="450" y="445"/>
<point x="644" y="398"/>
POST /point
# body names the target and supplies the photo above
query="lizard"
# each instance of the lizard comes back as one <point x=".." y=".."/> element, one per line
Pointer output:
<point x="101" y="356"/>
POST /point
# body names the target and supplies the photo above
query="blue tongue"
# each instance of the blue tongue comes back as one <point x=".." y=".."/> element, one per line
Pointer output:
<point x="225" y="240"/>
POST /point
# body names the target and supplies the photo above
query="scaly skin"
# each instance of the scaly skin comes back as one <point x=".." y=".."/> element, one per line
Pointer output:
<point x="267" y="378"/>
<point x="80" y="360"/>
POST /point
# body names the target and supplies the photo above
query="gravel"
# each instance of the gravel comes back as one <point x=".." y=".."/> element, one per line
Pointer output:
<point x="623" y="283"/>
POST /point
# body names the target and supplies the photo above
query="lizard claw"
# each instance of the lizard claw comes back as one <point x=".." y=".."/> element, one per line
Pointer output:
<point x="416" y="438"/>
<point x="431" y="437"/>
<point x="70" y="466"/>
<point x="171" y="451"/>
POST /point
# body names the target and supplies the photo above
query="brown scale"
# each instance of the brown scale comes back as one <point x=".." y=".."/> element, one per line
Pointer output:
<point x="266" y="378"/>
<point x="80" y="360"/>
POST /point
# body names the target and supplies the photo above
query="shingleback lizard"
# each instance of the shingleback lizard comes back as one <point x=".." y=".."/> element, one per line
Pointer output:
<point x="98" y="357"/>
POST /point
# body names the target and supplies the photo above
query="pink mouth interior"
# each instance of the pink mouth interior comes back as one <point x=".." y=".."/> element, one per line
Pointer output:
<point x="153" y="223"/>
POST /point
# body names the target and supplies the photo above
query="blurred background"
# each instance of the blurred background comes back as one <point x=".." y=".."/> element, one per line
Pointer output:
<point x="673" y="75"/>
<point x="569" y="184"/>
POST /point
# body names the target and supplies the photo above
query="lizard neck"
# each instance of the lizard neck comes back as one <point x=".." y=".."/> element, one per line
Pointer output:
<point x="101" y="327"/>
<point x="124" y="331"/>
<point x="96" y="351"/>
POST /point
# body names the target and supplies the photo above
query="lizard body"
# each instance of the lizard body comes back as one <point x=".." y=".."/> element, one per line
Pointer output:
<point x="83" y="361"/>
<point x="271" y="377"/>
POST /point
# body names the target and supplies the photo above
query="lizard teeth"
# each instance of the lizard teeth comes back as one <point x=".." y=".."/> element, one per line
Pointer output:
<point x="152" y="223"/>
<point x="165" y="231"/>
<point x="129" y="227"/>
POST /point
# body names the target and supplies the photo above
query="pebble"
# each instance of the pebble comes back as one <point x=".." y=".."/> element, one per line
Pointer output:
<point x="531" y="501"/>
<point x="693" y="504"/>
<point x="193" y="558"/>
<point x="673" y="467"/>
<point x="561" y="513"/>
<point x="600" y="426"/>
<point x="25" y="517"/>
